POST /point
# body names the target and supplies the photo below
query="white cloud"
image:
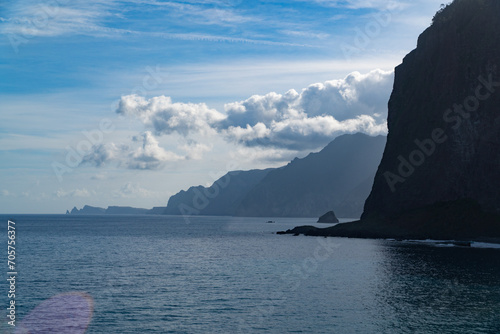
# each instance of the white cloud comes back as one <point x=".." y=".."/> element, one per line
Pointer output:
<point x="220" y="12"/>
<point x="304" y="133"/>
<point x="195" y="150"/>
<point x="51" y="19"/>
<point x="165" y="117"/>
<point x="359" y="4"/>
<point x="5" y="193"/>
<point x="132" y="190"/>
<point x="150" y="155"/>
<point x="83" y="193"/>
<point x="103" y="154"/>
<point x="262" y="109"/>
<point x="355" y="95"/>
<point x="78" y="17"/>
<point x="288" y="122"/>
<point x="262" y="157"/>
<point x="306" y="34"/>
<point x="247" y="134"/>
<point x="296" y="121"/>
<point x="310" y="119"/>
<point x="212" y="16"/>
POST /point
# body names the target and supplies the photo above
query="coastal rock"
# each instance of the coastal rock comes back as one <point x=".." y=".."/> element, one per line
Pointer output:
<point x="441" y="221"/>
<point x="444" y="117"/>
<point x="438" y="177"/>
<point x="328" y="218"/>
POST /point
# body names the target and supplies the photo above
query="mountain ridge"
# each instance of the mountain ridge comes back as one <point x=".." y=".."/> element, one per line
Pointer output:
<point x="306" y="188"/>
<point x="299" y="189"/>
<point x="114" y="210"/>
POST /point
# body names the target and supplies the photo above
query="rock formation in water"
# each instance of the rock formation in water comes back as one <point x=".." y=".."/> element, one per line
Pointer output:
<point x="439" y="176"/>
<point x="328" y="218"/>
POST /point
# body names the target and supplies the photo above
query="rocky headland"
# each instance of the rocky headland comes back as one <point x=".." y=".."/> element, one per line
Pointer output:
<point x="439" y="176"/>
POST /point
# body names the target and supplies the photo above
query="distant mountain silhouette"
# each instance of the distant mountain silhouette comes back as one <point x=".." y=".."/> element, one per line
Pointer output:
<point x="115" y="210"/>
<point x="88" y="210"/>
<point x="338" y="178"/>
<point x="220" y="199"/>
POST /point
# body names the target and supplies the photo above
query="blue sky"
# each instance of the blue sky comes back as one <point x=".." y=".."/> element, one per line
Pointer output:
<point x="186" y="90"/>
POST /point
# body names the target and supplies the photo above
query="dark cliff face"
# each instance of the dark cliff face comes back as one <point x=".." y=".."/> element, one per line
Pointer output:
<point x="444" y="117"/>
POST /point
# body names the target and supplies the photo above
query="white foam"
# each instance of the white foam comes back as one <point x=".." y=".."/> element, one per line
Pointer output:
<point x="485" y="245"/>
<point x="454" y="243"/>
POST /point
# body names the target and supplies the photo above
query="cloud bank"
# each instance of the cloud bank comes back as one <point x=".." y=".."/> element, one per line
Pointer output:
<point x="165" y="117"/>
<point x="294" y="121"/>
<point x="147" y="156"/>
<point x="291" y="122"/>
<point x="312" y="118"/>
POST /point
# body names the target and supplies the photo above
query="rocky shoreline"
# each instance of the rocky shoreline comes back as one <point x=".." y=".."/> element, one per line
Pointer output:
<point x="461" y="220"/>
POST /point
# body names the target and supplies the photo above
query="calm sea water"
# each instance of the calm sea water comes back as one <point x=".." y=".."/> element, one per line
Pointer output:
<point x="155" y="274"/>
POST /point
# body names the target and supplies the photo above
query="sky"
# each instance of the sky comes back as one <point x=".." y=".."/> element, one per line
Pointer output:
<point x="127" y="102"/>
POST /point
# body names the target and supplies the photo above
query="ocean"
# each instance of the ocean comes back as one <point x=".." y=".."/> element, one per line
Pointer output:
<point x="167" y="274"/>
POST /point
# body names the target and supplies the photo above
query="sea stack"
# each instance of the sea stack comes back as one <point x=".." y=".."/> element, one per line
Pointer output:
<point x="440" y="172"/>
<point x="328" y="218"/>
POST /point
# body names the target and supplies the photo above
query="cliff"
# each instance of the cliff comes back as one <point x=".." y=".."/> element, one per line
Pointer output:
<point x="444" y="116"/>
<point x="439" y="175"/>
